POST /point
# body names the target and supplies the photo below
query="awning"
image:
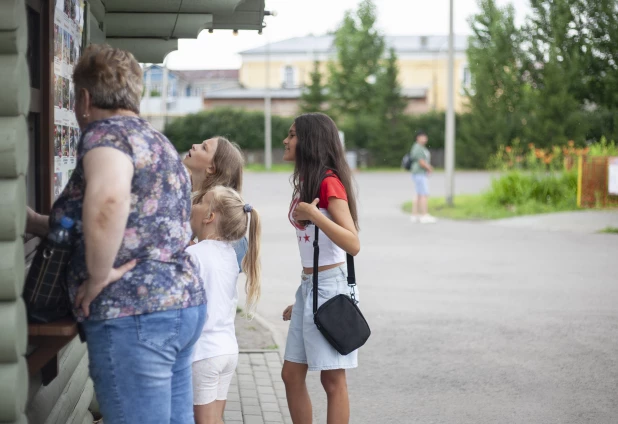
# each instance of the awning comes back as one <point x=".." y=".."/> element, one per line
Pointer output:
<point x="150" y="29"/>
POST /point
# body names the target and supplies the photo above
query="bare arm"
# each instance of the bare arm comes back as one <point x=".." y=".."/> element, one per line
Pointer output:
<point x="423" y="163"/>
<point x="36" y="224"/>
<point x="341" y="229"/>
<point x="108" y="173"/>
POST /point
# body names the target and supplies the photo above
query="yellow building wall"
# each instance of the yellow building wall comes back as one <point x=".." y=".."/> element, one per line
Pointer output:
<point x="427" y="73"/>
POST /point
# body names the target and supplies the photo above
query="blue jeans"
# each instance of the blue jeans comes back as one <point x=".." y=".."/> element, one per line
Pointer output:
<point x="141" y="365"/>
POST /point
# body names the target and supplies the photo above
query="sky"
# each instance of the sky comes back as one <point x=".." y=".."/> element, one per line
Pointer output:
<point x="297" y="18"/>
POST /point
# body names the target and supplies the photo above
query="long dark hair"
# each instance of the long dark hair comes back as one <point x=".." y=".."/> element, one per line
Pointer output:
<point x="318" y="151"/>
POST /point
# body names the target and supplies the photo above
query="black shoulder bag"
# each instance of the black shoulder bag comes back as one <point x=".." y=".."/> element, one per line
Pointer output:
<point x="339" y="319"/>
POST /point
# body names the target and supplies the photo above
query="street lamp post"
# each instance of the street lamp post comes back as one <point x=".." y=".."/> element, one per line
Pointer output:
<point x="268" y="151"/>
<point x="450" y="114"/>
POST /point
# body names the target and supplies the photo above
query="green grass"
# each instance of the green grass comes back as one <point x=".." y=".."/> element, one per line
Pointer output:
<point x="609" y="230"/>
<point x="279" y="167"/>
<point x="475" y="207"/>
<point x="272" y="347"/>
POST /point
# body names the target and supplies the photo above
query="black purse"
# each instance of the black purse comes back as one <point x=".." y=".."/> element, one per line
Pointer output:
<point x="339" y="319"/>
<point x="45" y="289"/>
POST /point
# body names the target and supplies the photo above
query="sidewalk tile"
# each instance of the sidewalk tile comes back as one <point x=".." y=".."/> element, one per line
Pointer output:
<point x="266" y="390"/>
<point x="232" y="406"/>
<point x="250" y="402"/>
<point x="252" y="410"/>
<point x="268" y="398"/>
<point x="270" y="407"/>
<point x="253" y="419"/>
<point x="232" y="415"/>
<point x="274" y="417"/>
<point x="264" y="382"/>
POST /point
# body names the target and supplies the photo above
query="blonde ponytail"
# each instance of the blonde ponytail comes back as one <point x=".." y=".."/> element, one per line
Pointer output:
<point x="251" y="264"/>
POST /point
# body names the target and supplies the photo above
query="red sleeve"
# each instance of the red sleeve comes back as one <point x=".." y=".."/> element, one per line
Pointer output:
<point x="331" y="187"/>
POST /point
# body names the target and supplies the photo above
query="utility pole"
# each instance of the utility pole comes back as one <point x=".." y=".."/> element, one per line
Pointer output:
<point x="268" y="150"/>
<point x="450" y="113"/>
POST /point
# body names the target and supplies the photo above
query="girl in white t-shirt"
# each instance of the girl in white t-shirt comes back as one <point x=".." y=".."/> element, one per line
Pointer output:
<point x="219" y="220"/>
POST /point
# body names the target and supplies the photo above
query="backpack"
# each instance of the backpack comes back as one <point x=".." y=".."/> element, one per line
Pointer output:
<point x="406" y="162"/>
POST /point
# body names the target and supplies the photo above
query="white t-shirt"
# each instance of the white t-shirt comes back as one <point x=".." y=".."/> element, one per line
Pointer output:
<point x="218" y="269"/>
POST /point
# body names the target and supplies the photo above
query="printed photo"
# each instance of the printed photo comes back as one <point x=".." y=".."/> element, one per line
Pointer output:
<point x="57" y="184"/>
<point x="71" y="50"/>
<point x="72" y="142"/>
<point x="73" y="12"/>
<point x="58" y="91"/>
<point x="65" y="141"/>
<point x="71" y="96"/>
<point x="65" y="92"/>
<point x="58" y="42"/>
<point x="67" y="7"/>
<point x="57" y="140"/>
<point x="66" y="50"/>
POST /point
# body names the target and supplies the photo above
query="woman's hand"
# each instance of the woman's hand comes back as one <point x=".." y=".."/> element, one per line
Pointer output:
<point x="36" y="224"/>
<point x="287" y="313"/>
<point x="90" y="289"/>
<point x="305" y="211"/>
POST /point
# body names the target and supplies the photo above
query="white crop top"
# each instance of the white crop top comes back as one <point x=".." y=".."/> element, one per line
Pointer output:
<point x="330" y="253"/>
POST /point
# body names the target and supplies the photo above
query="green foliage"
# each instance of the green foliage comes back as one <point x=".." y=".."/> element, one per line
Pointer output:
<point x="604" y="148"/>
<point x="360" y="49"/>
<point x="313" y="97"/>
<point x="515" y="189"/>
<point x="244" y="127"/>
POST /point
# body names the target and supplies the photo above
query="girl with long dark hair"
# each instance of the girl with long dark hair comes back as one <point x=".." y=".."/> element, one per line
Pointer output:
<point x="323" y="196"/>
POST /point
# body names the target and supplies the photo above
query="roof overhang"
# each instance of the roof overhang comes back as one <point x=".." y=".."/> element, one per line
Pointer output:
<point x="150" y="29"/>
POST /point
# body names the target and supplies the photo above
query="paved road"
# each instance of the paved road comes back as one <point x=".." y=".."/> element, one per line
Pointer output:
<point x="472" y="323"/>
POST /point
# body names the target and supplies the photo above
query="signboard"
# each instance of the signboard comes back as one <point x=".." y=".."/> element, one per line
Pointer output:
<point x="612" y="175"/>
<point x="68" y="28"/>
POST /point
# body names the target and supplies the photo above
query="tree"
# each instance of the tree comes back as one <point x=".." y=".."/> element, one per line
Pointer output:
<point x="313" y="97"/>
<point x="392" y="138"/>
<point x="497" y="93"/>
<point x="360" y="48"/>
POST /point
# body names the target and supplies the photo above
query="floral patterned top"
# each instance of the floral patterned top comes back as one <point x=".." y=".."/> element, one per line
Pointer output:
<point x="158" y="229"/>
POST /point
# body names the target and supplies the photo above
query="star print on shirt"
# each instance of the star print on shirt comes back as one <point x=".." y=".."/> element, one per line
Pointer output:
<point x="306" y="238"/>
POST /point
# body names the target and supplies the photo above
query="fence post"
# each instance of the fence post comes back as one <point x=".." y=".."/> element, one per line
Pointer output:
<point x="580" y="166"/>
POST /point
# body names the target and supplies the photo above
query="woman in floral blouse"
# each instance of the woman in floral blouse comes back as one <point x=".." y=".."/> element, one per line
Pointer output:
<point x="134" y="287"/>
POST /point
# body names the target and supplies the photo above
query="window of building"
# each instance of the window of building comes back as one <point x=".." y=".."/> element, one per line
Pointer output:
<point x="466" y="78"/>
<point x="288" y="77"/>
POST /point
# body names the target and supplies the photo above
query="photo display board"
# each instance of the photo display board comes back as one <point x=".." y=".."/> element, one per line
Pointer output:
<point x="68" y="29"/>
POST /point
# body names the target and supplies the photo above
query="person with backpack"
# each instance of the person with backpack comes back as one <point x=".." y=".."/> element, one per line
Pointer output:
<point x="421" y="168"/>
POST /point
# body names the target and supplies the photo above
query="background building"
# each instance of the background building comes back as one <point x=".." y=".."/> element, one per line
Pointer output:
<point x="185" y="91"/>
<point x="423" y="65"/>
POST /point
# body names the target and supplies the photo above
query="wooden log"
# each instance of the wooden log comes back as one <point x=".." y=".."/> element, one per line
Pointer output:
<point x="14" y="334"/>
<point x="13" y="146"/>
<point x="12" y="270"/>
<point x="12" y="208"/>
<point x="15" y="93"/>
<point x="14" y="389"/>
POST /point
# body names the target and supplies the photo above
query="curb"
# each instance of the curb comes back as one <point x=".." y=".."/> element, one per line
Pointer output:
<point x="277" y="338"/>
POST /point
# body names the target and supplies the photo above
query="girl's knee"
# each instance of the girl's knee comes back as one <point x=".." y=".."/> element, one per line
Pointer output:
<point x="334" y="381"/>
<point x="293" y="375"/>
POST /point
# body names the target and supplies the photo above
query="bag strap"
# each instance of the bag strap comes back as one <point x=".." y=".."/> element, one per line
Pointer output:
<point x="316" y="257"/>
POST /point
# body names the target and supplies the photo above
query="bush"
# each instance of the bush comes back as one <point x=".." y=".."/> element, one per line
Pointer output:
<point x="244" y="127"/>
<point x="558" y="190"/>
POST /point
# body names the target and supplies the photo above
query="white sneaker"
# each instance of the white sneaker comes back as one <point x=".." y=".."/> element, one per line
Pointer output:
<point x="427" y="219"/>
<point x="414" y="218"/>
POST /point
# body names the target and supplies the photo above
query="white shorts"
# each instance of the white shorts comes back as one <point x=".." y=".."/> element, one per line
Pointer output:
<point x="212" y="378"/>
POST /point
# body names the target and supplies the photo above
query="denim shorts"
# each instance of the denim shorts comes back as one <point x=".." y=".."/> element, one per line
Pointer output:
<point x="305" y="344"/>
<point x="421" y="185"/>
<point x="141" y="365"/>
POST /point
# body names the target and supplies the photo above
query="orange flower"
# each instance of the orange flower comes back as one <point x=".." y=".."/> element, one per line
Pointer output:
<point x="547" y="160"/>
<point x="519" y="159"/>
<point x="531" y="145"/>
<point x="565" y="151"/>
<point x="508" y="149"/>
<point x="586" y="150"/>
<point x="571" y="143"/>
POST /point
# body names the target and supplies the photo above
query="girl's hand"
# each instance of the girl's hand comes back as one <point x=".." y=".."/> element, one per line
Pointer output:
<point x="305" y="211"/>
<point x="90" y="289"/>
<point x="287" y="313"/>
